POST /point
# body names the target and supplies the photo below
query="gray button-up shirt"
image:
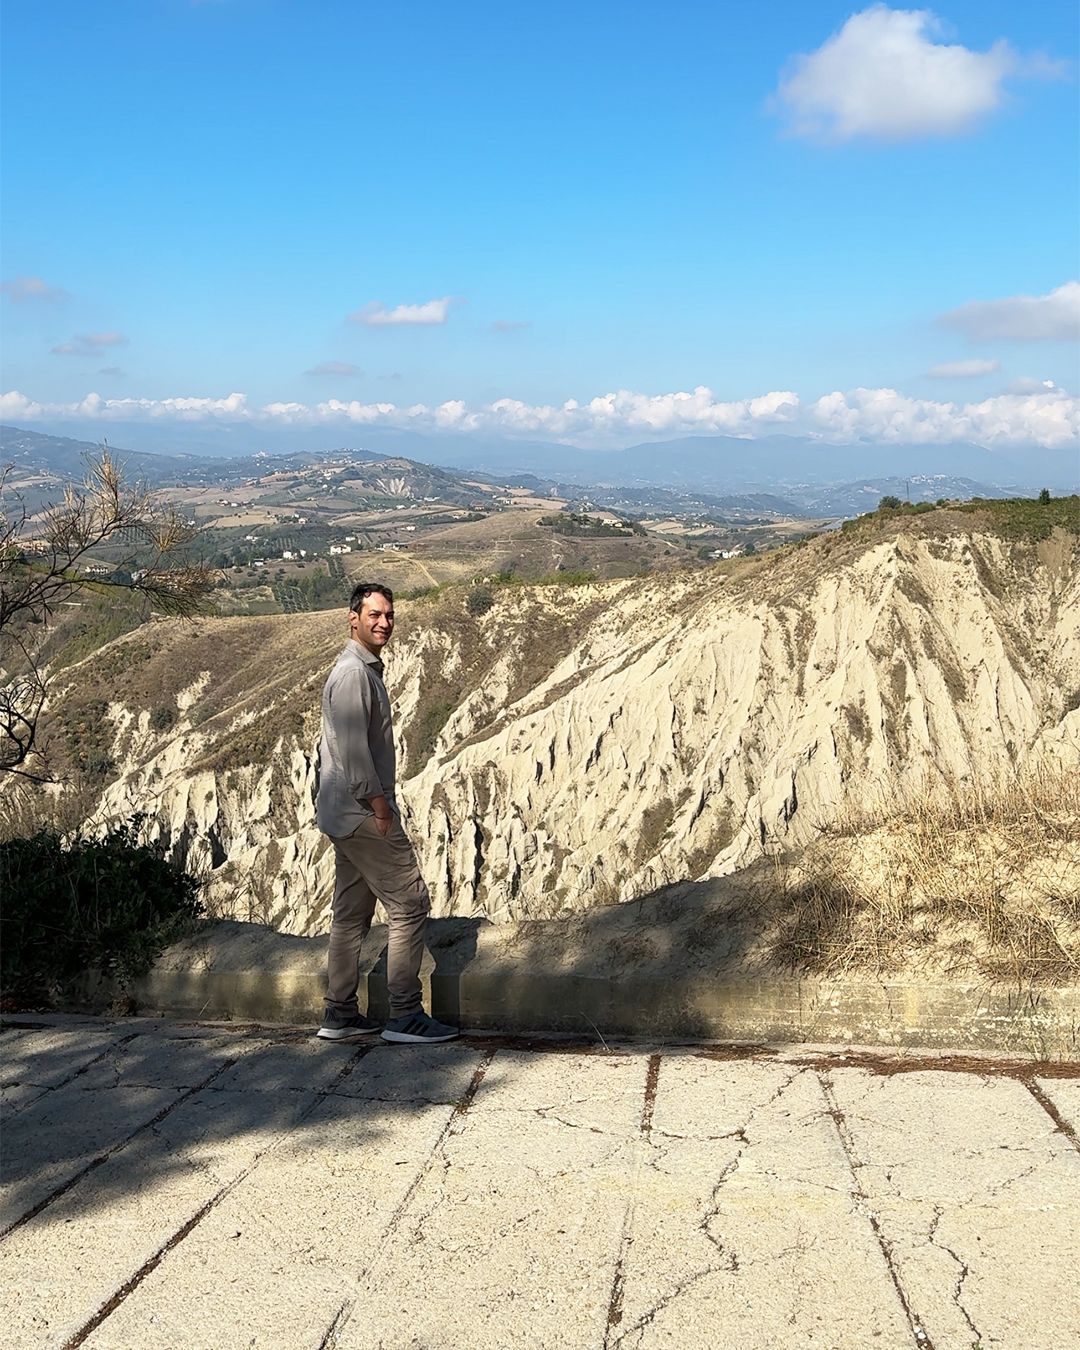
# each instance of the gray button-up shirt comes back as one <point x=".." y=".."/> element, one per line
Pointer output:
<point x="356" y="755"/>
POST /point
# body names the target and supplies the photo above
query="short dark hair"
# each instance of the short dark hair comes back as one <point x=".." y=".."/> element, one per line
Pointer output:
<point x="366" y="588"/>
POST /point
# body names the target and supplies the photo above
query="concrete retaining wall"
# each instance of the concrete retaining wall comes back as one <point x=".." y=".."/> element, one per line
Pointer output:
<point x="482" y="977"/>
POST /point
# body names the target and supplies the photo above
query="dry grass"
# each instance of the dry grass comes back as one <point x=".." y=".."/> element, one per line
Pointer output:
<point x="982" y="876"/>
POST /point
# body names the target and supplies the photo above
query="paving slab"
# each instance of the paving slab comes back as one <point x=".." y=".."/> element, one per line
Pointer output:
<point x="274" y="1263"/>
<point x="413" y="1073"/>
<point x="745" y="1230"/>
<point x="499" y="1194"/>
<point x="69" y="1260"/>
<point x="521" y="1214"/>
<point x="156" y="1061"/>
<point x="53" y="1139"/>
<point x="977" y="1195"/>
<point x="301" y="1064"/>
<point x="47" y="1057"/>
<point x="15" y="1096"/>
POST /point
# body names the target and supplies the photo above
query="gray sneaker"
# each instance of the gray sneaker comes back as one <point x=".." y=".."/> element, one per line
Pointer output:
<point x="418" y="1029"/>
<point x="344" y="1026"/>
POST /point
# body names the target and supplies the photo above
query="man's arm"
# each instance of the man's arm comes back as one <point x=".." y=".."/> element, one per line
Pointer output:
<point x="383" y="815"/>
<point x="350" y="709"/>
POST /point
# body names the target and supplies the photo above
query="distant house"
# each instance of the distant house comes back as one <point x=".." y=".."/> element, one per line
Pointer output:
<point x="393" y="548"/>
<point x="287" y="554"/>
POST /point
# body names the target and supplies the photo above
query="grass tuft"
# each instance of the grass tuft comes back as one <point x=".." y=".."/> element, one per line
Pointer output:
<point x="985" y="871"/>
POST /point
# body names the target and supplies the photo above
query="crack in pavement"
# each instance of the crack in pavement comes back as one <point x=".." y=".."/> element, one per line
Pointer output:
<point x="552" y="1113"/>
<point x="459" y="1112"/>
<point x="329" y="1340"/>
<point x="862" y="1203"/>
<point x="729" y="1259"/>
<point x="75" y="1073"/>
<point x="939" y="1211"/>
<point x="730" y="1264"/>
<point x="174" y="1240"/>
<point x="108" y="1153"/>
<point x="647" y="1318"/>
<point x="618" y="1279"/>
<point x="1050" y="1107"/>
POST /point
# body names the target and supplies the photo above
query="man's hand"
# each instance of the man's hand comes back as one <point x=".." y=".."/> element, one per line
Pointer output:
<point x="383" y="817"/>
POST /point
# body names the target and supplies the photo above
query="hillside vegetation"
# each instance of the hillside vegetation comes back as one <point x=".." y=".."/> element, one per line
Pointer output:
<point x="573" y="745"/>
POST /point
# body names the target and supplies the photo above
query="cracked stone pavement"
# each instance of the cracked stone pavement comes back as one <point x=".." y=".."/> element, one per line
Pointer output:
<point x="177" y="1186"/>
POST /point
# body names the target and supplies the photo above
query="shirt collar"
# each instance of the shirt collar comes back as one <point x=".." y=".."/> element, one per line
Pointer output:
<point x="368" y="658"/>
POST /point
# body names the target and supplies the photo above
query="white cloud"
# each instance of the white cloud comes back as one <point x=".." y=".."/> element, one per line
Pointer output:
<point x="355" y="411"/>
<point x="884" y="76"/>
<point x="345" y="369"/>
<point x="286" y="412"/>
<point x="1050" y="418"/>
<point x="1024" y="384"/>
<point x="376" y="315"/>
<point x="234" y="407"/>
<point x="90" y="344"/>
<point x="1022" y="318"/>
<point x="1044" y="416"/>
<point x="17" y="406"/>
<point x="963" y="370"/>
<point x="22" y="289"/>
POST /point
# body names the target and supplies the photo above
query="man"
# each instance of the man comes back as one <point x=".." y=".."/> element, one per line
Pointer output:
<point x="373" y="858"/>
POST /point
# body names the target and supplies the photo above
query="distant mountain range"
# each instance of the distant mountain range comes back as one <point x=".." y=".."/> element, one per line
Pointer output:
<point x="693" y="463"/>
<point x="785" y="475"/>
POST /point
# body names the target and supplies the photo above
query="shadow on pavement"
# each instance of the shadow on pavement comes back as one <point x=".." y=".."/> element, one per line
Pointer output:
<point x="195" y="1108"/>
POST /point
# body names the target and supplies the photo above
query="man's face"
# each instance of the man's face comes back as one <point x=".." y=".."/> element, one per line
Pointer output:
<point x="374" y="623"/>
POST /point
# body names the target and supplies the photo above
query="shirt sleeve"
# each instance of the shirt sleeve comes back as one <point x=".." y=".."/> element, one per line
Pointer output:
<point x="350" y="709"/>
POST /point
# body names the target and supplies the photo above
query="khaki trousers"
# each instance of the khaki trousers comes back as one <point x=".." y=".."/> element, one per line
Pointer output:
<point x="369" y="867"/>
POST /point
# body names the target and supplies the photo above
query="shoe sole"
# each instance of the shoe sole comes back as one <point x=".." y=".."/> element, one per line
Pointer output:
<point x="405" y="1038"/>
<point x="345" y="1034"/>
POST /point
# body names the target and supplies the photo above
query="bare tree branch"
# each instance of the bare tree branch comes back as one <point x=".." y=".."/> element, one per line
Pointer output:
<point x="43" y="562"/>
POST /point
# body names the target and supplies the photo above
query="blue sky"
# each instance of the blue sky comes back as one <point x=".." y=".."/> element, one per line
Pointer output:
<point x="622" y="202"/>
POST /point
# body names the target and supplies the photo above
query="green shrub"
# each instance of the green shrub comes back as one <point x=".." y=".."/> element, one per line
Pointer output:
<point x="567" y="577"/>
<point x="95" y="762"/>
<point x="479" y="600"/>
<point x="1028" y="517"/>
<point x="162" y="717"/>
<point x="428" y="725"/>
<point x="111" y="904"/>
